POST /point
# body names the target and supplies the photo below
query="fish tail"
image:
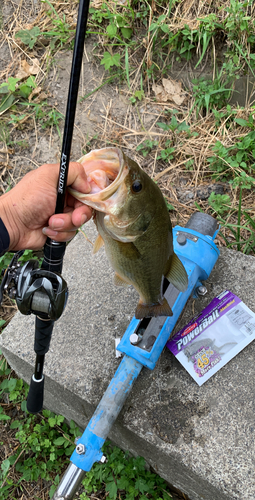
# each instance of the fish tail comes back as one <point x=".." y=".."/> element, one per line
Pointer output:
<point x="152" y="311"/>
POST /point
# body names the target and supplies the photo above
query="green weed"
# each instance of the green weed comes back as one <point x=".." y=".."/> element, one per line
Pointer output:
<point x="174" y="126"/>
<point x="46" y="115"/>
<point x="138" y="95"/>
<point x="186" y="43"/>
<point x="167" y="153"/>
<point x="7" y="257"/>
<point x="17" y="119"/>
<point x="227" y="115"/>
<point x="124" y="476"/>
<point x="110" y="60"/>
<point x="44" y="444"/>
<point x="210" y="94"/>
<point x="237" y="20"/>
<point x="189" y="165"/>
<point x="169" y="205"/>
<point x="190" y="42"/>
<point x="229" y="163"/>
<point x="61" y="34"/>
<point x="221" y="205"/>
<point x="142" y="12"/>
<point x="118" y="24"/>
<point x="29" y="37"/>
<point x="146" y="147"/>
<point x="15" y="90"/>
<point x="4" y="133"/>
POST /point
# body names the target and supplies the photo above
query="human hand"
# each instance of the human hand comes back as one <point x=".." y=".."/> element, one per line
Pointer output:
<point x="27" y="209"/>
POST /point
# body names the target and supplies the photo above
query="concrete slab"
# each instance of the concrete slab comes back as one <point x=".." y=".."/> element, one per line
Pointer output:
<point x="201" y="440"/>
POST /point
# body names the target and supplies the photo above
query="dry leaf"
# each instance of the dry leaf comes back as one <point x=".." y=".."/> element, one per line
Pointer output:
<point x="171" y="86"/>
<point x="96" y="4"/>
<point x="187" y="5"/>
<point x="35" y="68"/>
<point x="170" y="91"/>
<point x="34" y="93"/>
<point x="26" y="70"/>
<point x="38" y="94"/>
<point x="159" y="92"/>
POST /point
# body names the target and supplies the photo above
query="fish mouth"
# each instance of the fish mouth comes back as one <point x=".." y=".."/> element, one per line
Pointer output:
<point x="106" y="170"/>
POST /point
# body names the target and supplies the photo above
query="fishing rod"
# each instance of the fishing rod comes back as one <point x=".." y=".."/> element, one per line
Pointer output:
<point x="43" y="291"/>
<point x="53" y="250"/>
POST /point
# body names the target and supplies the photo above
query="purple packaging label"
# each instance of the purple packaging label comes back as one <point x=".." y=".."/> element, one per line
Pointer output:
<point x="211" y="339"/>
<point x="217" y="308"/>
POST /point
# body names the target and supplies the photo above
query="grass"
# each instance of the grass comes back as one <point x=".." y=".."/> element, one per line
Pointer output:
<point x="138" y="44"/>
<point x="192" y="139"/>
<point x="40" y="448"/>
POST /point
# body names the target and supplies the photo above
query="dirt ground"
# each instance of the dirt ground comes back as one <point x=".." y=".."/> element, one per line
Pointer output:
<point x="105" y="118"/>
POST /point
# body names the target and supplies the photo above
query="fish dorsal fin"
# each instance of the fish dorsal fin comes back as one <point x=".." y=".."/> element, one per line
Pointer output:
<point x="118" y="281"/>
<point x="176" y="273"/>
<point x="98" y="244"/>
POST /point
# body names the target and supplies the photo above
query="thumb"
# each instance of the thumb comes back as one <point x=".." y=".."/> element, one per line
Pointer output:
<point x="77" y="178"/>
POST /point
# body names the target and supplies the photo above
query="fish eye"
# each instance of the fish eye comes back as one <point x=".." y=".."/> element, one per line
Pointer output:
<point x="136" y="186"/>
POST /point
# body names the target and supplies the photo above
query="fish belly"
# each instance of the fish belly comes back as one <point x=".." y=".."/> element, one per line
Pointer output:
<point x="137" y="265"/>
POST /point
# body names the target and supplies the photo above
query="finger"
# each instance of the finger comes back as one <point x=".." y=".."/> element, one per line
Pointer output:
<point x="81" y="214"/>
<point x="58" y="235"/>
<point x="61" y="222"/>
<point x="72" y="202"/>
<point x="70" y="220"/>
<point x="77" y="178"/>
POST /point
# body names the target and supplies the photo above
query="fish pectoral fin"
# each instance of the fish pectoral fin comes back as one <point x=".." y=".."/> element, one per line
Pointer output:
<point x="153" y="310"/>
<point x="98" y="244"/>
<point x="176" y="273"/>
<point x="119" y="281"/>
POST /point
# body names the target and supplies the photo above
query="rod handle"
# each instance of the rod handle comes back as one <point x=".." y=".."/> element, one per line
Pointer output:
<point x="35" y="395"/>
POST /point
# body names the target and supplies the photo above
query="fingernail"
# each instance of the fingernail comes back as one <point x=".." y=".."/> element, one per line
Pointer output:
<point x="84" y="219"/>
<point x="49" y="232"/>
<point x="57" y="223"/>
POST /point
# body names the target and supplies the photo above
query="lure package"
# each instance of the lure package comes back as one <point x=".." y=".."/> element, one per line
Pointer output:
<point x="214" y="337"/>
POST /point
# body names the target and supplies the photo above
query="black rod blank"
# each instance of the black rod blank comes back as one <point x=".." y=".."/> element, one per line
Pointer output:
<point x="72" y="102"/>
<point x="54" y="251"/>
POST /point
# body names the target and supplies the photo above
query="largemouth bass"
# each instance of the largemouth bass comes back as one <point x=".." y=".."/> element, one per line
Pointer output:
<point x="134" y="225"/>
